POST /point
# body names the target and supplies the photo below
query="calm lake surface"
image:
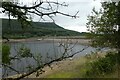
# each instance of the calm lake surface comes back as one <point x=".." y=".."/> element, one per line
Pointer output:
<point x="42" y="48"/>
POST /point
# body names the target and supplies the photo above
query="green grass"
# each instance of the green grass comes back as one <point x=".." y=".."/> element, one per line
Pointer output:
<point x="78" y="69"/>
<point x="74" y="70"/>
<point x="73" y="73"/>
<point x="63" y="75"/>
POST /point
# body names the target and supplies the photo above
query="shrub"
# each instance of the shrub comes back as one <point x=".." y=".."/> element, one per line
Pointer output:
<point x="24" y="52"/>
<point x="103" y="65"/>
<point x="5" y="54"/>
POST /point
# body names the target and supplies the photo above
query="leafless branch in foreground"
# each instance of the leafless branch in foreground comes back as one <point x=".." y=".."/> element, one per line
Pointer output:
<point x="40" y="67"/>
<point x="39" y="9"/>
<point x="10" y="68"/>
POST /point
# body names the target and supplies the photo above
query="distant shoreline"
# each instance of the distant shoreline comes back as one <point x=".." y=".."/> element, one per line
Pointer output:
<point x="78" y="41"/>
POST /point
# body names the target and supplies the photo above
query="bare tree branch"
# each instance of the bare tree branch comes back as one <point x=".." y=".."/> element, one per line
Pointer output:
<point x="21" y="7"/>
<point x="48" y="64"/>
<point x="33" y="7"/>
<point x="10" y="67"/>
<point x="22" y="10"/>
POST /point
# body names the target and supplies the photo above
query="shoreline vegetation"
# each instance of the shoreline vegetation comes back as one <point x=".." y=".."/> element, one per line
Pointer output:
<point x="71" y="68"/>
<point x="75" y="68"/>
<point x="55" y="68"/>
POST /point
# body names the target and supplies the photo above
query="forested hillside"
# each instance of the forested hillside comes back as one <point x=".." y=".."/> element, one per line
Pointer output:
<point x="35" y="29"/>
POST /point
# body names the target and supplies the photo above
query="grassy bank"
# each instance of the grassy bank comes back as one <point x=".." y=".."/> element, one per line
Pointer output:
<point x="79" y="68"/>
<point x="94" y="65"/>
<point x="64" y="69"/>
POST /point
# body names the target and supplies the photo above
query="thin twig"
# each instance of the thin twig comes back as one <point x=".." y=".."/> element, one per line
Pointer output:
<point x="10" y="68"/>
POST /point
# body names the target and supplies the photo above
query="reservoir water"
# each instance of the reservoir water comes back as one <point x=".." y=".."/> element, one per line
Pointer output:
<point x="43" y="48"/>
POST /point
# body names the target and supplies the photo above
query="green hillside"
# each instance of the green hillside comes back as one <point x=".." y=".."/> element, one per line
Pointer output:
<point x="36" y="29"/>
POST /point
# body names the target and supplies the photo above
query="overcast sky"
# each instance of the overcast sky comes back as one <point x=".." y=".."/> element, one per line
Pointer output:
<point x="83" y="6"/>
